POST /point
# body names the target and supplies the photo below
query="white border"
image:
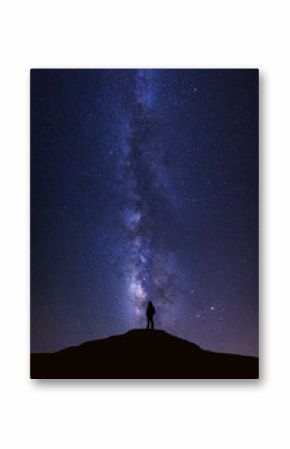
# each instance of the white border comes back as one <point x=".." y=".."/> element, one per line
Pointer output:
<point x="144" y="34"/>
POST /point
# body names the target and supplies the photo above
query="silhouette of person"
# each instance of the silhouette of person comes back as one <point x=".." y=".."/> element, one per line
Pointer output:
<point x="150" y="312"/>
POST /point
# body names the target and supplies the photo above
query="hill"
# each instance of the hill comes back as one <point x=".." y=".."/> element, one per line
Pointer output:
<point x="142" y="354"/>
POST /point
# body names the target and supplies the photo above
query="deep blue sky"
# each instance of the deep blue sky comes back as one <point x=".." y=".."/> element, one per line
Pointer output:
<point x="144" y="185"/>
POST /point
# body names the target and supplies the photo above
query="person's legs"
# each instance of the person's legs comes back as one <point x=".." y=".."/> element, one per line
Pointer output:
<point x="147" y="322"/>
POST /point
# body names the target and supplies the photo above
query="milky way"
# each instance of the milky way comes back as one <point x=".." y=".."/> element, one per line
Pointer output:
<point x="151" y="274"/>
<point x="144" y="186"/>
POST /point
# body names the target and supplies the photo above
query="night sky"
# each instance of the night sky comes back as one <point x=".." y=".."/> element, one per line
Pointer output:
<point x="144" y="186"/>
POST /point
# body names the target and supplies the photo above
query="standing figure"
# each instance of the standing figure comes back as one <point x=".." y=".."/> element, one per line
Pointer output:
<point x="150" y="312"/>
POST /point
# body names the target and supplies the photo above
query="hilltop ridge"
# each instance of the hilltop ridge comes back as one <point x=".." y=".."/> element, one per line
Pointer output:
<point x="142" y="354"/>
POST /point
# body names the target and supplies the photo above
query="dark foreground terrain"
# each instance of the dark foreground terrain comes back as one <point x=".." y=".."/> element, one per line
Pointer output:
<point x="141" y="354"/>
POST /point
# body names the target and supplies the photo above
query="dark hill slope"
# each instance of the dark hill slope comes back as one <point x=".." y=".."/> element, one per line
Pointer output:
<point x="141" y="354"/>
